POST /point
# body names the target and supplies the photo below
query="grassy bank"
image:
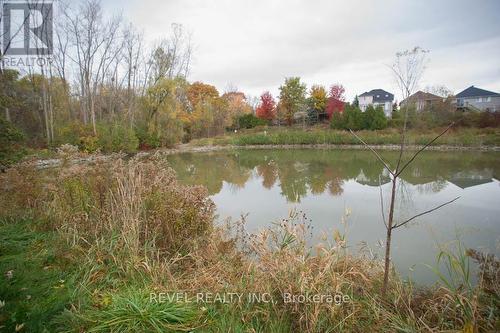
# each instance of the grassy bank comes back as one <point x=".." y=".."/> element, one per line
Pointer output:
<point x="91" y="244"/>
<point x="287" y="136"/>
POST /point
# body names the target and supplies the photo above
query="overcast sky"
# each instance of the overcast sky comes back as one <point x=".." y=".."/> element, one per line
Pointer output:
<point x="256" y="44"/>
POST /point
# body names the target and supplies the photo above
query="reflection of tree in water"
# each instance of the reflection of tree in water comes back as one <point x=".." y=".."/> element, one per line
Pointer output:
<point x="432" y="187"/>
<point x="320" y="171"/>
<point x="319" y="177"/>
<point x="293" y="180"/>
<point x="268" y="172"/>
<point x="210" y="170"/>
<point x="335" y="186"/>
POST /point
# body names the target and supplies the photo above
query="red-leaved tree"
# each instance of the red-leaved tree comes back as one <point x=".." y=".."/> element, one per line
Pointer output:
<point x="267" y="108"/>
<point x="336" y="100"/>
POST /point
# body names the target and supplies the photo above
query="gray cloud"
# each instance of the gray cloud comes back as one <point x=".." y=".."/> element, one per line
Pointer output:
<point x="256" y="44"/>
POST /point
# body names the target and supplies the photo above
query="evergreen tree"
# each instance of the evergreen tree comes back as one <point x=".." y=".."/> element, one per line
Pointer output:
<point x="337" y="121"/>
<point x="353" y="118"/>
<point x="374" y="118"/>
<point x="355" y="102"/>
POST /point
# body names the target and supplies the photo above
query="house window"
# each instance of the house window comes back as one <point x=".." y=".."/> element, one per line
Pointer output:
<point x="378" y="96"/>
<point x="479" y="99"/>
<point x="488" y="99"/>
<point x="386" y="95"/>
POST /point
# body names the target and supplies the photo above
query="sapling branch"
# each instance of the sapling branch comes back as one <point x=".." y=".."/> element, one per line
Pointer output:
<point x="373" y="151"/>
<point x="423" y="213"/>
<point x="423" y="148"/>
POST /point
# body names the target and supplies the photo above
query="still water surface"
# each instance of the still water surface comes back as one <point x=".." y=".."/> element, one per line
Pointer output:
<point x="266" y="184"/>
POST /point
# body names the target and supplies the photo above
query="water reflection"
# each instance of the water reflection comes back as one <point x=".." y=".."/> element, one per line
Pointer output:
<point x="266" y="184"/>
<point x="299" y="172"/>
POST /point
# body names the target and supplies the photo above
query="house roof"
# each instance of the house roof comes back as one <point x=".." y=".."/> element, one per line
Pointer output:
<point x="379" y="95"/>
<point x="475" y="92"/>
<point x="421" y="96"/>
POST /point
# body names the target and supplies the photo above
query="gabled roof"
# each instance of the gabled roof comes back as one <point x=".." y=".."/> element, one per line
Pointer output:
<point x="421" y="96"/>
<point x="379" y="95"/>
<point x="476" y="92"/>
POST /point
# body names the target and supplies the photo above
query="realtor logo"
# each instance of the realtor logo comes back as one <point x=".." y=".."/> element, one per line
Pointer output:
<point x="27" y="27"/>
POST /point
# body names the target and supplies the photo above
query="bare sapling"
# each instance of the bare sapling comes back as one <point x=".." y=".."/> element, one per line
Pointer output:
<point x="407" y="70"/>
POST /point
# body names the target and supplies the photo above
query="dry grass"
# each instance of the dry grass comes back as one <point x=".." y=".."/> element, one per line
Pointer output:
<point x="132" y="218"/>
<point x="139" y="202"/>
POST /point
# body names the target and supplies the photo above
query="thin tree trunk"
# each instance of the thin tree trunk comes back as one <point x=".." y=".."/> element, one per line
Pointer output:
<point x="45" y="112"/>
<point x="92" y="113"/>
<point x="51" y="119"/>
<point x="388" y="238"/>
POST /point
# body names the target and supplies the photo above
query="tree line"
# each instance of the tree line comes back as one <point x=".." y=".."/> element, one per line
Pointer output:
<point x="105" y="88"/>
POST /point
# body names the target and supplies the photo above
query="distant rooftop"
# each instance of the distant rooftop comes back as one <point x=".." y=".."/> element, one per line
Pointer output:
<point x="476" y="92"/>
<point x="421" y="96"/>
<point x="379" y="95"/>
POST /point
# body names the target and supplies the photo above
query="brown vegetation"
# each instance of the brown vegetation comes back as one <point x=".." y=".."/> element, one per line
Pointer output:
<point x="131" y="220"/>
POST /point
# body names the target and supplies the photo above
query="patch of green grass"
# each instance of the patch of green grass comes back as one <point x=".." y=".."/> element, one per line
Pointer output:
<point x="244" y="317"/>
<point x="133" y="311"/>
<point x="318" y="136"/>
<point x="37" y="280"/>
<point x="44" y="287"/>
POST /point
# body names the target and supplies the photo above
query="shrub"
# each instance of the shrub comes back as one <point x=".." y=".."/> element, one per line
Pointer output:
<point x="11" y="149"/>
<point x="250" y="121"/>
<point x="353" y="118"/>
<point x="117" y="137"/>
<point x="374" y="118"/>
<point x="489" y="119"/>
<point x="89" y="144"/>
<point x="337" y="121"/>
<point x="72" y="133"/>
<point x="146" y="139"/>
<point x="139" y="201"/>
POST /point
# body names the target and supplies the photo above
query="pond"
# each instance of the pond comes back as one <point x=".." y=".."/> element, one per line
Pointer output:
<point x="323" y="184"/>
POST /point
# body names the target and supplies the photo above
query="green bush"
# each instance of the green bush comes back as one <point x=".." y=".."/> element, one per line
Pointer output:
<point x="351" y="118"/>
<point x="89" y="144"/>
<point x="11" y="138"/>
<point x="147" y="140"/>
<point x="337" y="121"/>
<point x="250" y="121"/>
<point x="111" y="137"/>
<point x="117" y="137"/>
<point x="72" y="133"/>
<point x="374" y="118"/>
